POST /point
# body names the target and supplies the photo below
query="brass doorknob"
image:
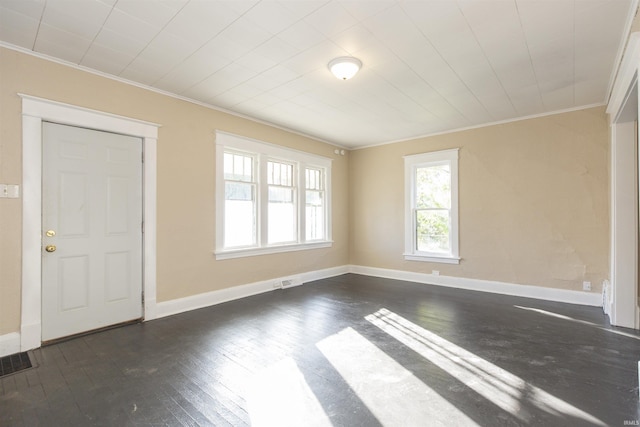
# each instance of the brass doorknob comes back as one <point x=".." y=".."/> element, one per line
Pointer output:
<point x="50" y="248"/>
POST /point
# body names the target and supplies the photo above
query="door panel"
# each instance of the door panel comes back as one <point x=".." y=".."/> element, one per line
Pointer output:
<point x="92" y="201"/>
<point x="73" y="273"/>
<point x="116" y="276"/>
<point x="74" y="195"/>
<point x="117" y="206"/>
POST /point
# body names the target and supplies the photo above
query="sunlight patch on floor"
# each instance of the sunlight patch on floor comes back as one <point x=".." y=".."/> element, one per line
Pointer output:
<point x="280" y="396"/>
<point x="582" y="322"/>
<point x="508" y="391"/>
<point x="392" y="394"/>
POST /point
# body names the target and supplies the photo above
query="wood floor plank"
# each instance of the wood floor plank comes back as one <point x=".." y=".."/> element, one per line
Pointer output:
<point x="546" y="363"/>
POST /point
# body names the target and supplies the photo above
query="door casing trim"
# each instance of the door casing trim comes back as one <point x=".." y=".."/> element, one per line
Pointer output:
<point x="34" y="111"/>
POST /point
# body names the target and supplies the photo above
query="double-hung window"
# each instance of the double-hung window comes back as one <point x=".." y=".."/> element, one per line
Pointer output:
<point x="315" y="211"/>
<point x="269" y="198"/>
<point x="240" y="201"/>
<point x="431" y="207"/>
<point x="282" y="213"/>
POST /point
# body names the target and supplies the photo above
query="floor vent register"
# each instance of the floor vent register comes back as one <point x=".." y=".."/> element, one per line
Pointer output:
<point x="14" y="363"/>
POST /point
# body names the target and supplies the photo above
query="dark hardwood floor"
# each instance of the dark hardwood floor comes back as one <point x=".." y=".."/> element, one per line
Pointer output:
<point x="346" y="351"/>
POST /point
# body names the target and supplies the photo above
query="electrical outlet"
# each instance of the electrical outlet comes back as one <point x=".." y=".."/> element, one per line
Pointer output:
<point x="586" y="286"/>
<point x="11" y="191"/>
<point x="435" y="272"/>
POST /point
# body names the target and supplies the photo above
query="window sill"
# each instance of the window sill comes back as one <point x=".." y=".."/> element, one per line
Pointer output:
<point x="241" y="253"/>
<point x="431" y="258"/>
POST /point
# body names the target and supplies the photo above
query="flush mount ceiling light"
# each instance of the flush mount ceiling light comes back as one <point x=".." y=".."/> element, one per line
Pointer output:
<point x="345" y="67"/>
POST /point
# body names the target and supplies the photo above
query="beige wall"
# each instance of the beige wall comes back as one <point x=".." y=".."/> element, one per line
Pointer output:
<point x="186" y="204"/>
<point x="534" y="202"/>
<point x="533" y="194"/>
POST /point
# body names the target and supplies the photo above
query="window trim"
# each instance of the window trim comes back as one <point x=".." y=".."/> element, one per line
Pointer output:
<point x="411" y="163"/>
<point x="263" y="152"/>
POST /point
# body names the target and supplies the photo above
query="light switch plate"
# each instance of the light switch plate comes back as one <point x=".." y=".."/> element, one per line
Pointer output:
<point x="4" y="190"/>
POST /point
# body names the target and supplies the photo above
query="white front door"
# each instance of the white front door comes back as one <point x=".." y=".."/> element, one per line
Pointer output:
<point x="91" y="230"/>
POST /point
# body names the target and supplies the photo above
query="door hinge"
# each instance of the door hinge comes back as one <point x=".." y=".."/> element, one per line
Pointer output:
<point x="142" y="226"/>
<point x="142" y="156"/>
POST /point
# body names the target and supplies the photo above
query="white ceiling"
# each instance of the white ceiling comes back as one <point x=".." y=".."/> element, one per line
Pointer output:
<point x="429" y="65"/>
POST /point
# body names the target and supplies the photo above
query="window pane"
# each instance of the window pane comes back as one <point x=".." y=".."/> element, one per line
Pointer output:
<point x="313" y="179"/>
<point x="238" y="191"/>
<point x="314" y="198"/>
<point x="238" y="167"/>
<point x="314" y="212"/>
<point x="432" y="230"/>
<point x="280" y="195"/>
<point x="282" y="215"/>
<point x="433" y="187"/>
<point x="279" y="173"/>
<point x="240" y="215"/>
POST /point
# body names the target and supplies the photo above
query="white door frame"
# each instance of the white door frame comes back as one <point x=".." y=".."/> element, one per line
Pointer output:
<point x="34" y="112"/>
<point x="622" y="306"/>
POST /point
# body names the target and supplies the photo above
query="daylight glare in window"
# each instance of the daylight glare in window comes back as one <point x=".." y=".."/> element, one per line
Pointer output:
<point x="240" y="200"/>
<point x="282" y="203"/>
<point x="314" y="209"/>
<point x="433" y="204"/>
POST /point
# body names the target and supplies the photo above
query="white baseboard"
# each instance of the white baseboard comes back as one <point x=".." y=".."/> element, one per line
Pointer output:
<point x="324" y="274"/>
<point x="9" y="344"/>
<point x="527" y="291"/>
<point x="29" y="338"/>
<point x="606" y="298"/>
<point x="193" y="302"/>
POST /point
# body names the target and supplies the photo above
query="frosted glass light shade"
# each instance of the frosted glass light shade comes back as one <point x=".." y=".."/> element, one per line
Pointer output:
<point x="345" y="67"/>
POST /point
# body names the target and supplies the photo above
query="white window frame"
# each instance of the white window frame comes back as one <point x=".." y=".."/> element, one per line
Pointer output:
<point x="263" y="153"/>
<point x="411" y="164"/>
